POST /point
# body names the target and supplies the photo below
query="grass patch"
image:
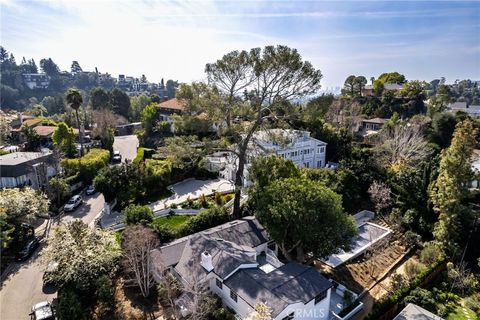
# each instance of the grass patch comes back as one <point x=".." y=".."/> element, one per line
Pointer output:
<point x="173" y="222"/>
<point x="459" y="314"/>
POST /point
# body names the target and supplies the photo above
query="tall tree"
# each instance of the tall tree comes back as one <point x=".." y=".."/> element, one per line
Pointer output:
<point x="450" y="188"/>
<point x="137" y="242"/>
<point x="270" y="76"/>
<point x="120" y="102"/>
<point x="99" y="98"/>
<point x="304" y="216"/>
<point x="75" y="100"/>
<point x="64" y="139"/>
<point x="49" y="67"/>
<point x="75" y="68"/>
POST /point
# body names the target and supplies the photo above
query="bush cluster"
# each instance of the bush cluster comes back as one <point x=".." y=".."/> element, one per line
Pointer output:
<point x="87" y="166"/>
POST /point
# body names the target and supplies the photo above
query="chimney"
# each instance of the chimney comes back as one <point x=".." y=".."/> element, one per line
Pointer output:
<point x="207" y="261"/>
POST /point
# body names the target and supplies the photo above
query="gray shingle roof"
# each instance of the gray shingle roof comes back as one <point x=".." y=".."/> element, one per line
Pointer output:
<point x="414" y="312"/>
<point x="288" y="284"/>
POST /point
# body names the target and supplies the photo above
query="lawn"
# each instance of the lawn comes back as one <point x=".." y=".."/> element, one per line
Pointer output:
<point x="459" y="314"/>
<point x="174" y="222"/>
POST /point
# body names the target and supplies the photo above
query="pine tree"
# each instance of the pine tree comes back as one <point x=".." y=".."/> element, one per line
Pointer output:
<point x="451" y="186"/>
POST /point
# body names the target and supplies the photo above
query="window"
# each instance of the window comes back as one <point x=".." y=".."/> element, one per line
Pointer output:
<point x="290" y="316"/>
<point x="321" y="296"/>
<point x="233" y="295"/>
<point x="322" y="149"/>
<point x="319" y="164"/>
<point x="219" y="283"/>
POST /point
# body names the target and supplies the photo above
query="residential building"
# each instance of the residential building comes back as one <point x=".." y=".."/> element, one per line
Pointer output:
<point x="237" y="262"/>
<point x="368" y="90"/>
<point x="371" y="126"/>
<point x="169" y="107"/>
<point x="412" y="311"/>
<point x="297" y="146"/>
<point x="472" y="110"/>
<point x="33" y="169"/>
<point x="36" y="80"/>
<point x="476" y="169"/>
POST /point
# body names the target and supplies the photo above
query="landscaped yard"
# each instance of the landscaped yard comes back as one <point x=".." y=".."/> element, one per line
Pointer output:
<point x="174" y="222"/>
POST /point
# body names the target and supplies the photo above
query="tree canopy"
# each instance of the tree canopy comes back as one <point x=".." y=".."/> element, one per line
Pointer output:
<point x="303" y="217"/>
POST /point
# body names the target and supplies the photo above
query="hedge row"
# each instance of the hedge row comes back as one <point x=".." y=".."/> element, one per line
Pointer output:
<point x="388" y="302"/>
<point x="87" y="166"/>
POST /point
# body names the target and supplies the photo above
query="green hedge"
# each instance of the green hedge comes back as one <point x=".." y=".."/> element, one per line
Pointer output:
<point x="140" y="155"/>
<point x="206" y="219"/>
<point x="87" y="166"/>
<point x="385" y="304"/>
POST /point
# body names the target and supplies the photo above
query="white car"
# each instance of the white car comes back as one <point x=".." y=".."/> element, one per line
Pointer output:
<point x="117" y="157"/>
<point x="42" y="311"/>
<point x="73" y="203"/>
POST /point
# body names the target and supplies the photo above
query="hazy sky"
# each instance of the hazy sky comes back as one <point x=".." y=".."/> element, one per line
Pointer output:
<point x="174" y="39"/>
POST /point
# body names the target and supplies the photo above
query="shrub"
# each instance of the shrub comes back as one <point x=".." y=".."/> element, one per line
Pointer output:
<point x="431" y="252"/>
<point x="173" y="206"/>
<point x="87" y="166"/>
<point x="165" y="234"/>
<point x="412" y="239"/>
<point x="218" y="199"/>
<point x="203" y="200"/>
<point x="105" y="291"/>
<point x="140" y="155"/>
<point x="196" y="205"/>
<point x="206" y="219"/>
<point x="398" y="281"/>
<point x="421" y="297"/>
<point x="228" y="197"/>
<point x="135" y="214"/>
<point x="412" y="268"/>
<point x="69" y="305"/>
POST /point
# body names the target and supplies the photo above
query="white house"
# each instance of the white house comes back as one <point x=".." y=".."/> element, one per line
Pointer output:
<point x="36" y="80"/>
<point x="295" y="145"/>
<point x="237" y="262"/>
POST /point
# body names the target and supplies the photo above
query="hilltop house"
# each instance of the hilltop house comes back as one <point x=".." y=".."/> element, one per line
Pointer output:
<point x="36" y="80"/>
<point x="472" y="110"/>
<point x="295" y="145"/>
<point x="32" y="169"/>
<point x="368" y="90"/>
<point x="237" y="262"/>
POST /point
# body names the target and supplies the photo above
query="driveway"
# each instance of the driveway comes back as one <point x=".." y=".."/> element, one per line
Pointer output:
<point x="127" y="145"/>
<point x="193" y="189"/>
<point x="23" y="285"/>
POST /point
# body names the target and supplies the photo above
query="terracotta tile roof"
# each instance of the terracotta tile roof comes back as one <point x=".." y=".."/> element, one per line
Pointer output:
<point x="47" y="131"/>
<point x="174" y="104"/>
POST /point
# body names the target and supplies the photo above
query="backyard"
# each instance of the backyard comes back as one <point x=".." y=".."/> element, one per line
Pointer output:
<point x="173" y="222"/>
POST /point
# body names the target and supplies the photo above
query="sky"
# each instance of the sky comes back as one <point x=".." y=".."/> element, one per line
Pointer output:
<point x="175" y="39"/>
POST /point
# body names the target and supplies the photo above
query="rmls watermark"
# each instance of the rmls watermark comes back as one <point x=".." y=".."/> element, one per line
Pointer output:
<point x="319" y="313"/>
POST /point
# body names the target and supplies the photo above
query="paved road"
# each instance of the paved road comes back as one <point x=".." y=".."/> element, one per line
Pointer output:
<point x="23" y="287"/>
<point x="127" y="145"/>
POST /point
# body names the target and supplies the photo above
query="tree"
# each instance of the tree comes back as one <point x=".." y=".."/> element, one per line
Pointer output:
<point x="137" y="243"/>
<point x="83" y="254"/>
<point x="120" y="102"/>
<point x="99" y="99"/>
<point x="106" y="121"/>
<point x="38" y="110"/>
<point x="58" y="190"/>
<point x="270" y="77"/>
<point x="4" y="130"/>
<point x="392" y="77"/>
<point x="404" y="145"/>
<point x="318" y="107"/>
<point x="304" y="216"/>
<point x="349" y="86"/>
<point x="49" y="67"/>
<point x="450" y="188"/>
<point x="75" y="68"/>
<point x="380" y="194"/>
<point x="64" y="139"/>
<point x="75" y="100"/>
<point x="18" y="206"/>
<point x="137" y="104"/>
<point x="136" y="214"/>
<point x="261" y="312"/>
<point x="149" y="118"/>
<point x="32" y="138"/>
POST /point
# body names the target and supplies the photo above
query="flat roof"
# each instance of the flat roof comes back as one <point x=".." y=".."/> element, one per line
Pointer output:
<point x="15" y="158"/>
<point x="368" y="234"/>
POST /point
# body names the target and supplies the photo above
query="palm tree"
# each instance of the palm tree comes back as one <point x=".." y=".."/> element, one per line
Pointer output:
<point x="74" y="100"/>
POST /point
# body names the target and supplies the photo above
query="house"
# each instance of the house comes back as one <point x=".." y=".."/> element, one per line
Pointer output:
<point x="294" y="145"/>
<point x="412" y="311"/>
<point x="472" y="110"/>
<point x="36" y="80"/>
<point x="368" y="90"/>
<point x="237" y="262"/>
<point x="371" y="126"/>
<point x="33" y="169"/>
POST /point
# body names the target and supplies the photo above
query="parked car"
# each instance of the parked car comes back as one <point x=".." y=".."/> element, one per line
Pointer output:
<point x="117" y="157"/>
<point x="73" y="203"/>
<point x="90" y="190"/>
<point x="42" y="311"/>
<point x="28" y="249"/>
<point x="51" y="267"/>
